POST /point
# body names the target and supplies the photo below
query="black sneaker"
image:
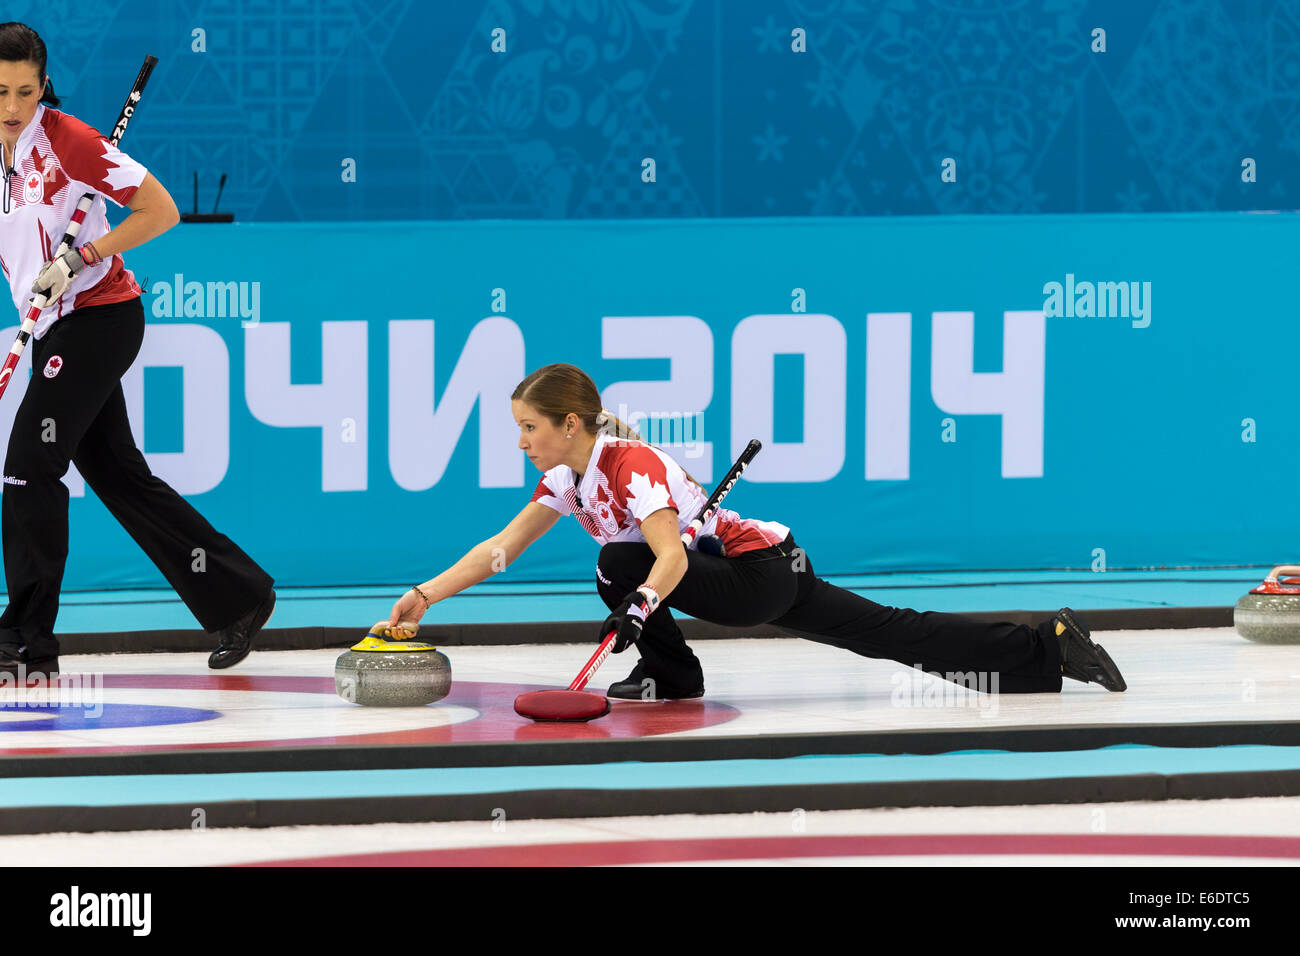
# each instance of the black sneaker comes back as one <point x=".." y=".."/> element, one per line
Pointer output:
<point x="15" y="660"/>
<point x="1081" y="659"/>
<point x="46" y="668"/>
<point x="639" y="685"/>
<point x="237" y="639"/>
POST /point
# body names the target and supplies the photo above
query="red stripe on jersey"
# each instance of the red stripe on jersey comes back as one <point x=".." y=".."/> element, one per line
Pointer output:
<point x="628" y="479"/>
<point x="636" y="472"/>
<point x="45" y="241"/>
<point x="745" y="535"/>
<point x="569" y="499"/>
<point x="83" y="152"/>
<point x="584" y="518"/>
<point x="543" y="490"/>
<point x="118" y="286"/>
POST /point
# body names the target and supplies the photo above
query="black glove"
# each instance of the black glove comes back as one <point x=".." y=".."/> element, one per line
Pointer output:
<point x="628" y="619"/>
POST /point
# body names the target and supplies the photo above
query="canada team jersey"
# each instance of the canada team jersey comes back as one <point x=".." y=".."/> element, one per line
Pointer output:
<point x="628" y="481"/>
<point x="58" y="160"/>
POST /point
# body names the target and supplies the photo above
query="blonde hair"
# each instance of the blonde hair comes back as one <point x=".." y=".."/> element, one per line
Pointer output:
<point x="558" y="390"/>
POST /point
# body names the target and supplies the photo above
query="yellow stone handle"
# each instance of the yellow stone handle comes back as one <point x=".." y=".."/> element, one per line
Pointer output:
<point x="402" y="631"/>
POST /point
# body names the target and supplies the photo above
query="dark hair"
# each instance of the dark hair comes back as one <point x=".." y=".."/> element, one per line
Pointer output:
<point x="19" y="42"/>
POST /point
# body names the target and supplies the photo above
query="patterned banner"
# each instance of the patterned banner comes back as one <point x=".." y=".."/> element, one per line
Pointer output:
<point x="1018" y="392"/>
<point x="589" y="109"/>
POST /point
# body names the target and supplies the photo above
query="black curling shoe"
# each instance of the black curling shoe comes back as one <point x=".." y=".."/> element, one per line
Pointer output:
<point x="639" y="685"/>
<point x="16" y="661"/>
<point x="1081" y="659"/>
<point x="237" y="639"/>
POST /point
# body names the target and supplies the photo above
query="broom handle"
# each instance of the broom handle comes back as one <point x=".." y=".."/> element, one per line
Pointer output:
<point x="710" y="506"/>
<point x="39" y="303"/>
<point x="606" y="648"/>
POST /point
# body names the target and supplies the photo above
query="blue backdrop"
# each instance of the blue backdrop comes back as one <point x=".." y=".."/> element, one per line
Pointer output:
<point x="921" y="411"/>
<point x="742" y="115"/>
<point x="564" y="180"/>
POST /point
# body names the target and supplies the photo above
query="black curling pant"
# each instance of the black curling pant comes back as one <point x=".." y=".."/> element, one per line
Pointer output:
<point x="778" y="586"/>
<point x="79" y="415"/>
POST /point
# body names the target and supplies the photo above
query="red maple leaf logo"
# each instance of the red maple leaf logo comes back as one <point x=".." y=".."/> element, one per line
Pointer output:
<point x="51" y="173"/>
<point x="603" y="496"/>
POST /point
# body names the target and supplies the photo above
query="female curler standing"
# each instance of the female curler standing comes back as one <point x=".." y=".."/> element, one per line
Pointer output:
<point x="635" y="500"/>
<point x="74" y="409"/>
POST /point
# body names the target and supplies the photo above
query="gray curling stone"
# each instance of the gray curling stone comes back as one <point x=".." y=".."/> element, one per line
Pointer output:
<point x="1270" y="613"/>
<point x="376" y="673"/>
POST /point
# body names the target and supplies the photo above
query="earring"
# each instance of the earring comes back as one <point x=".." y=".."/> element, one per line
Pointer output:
<point x="568" y="436"/>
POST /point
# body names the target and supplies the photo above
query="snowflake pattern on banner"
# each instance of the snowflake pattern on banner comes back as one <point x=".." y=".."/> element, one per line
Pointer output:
<point x="762" y="108"/>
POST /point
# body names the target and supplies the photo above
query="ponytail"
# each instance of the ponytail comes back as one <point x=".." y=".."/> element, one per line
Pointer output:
<point x="559" y="390"/>
<point x="607" y="423"/>
<point x="48" y="97"/>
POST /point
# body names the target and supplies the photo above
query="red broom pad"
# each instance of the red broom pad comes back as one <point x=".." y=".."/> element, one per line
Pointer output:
<point x="574" y="703"/>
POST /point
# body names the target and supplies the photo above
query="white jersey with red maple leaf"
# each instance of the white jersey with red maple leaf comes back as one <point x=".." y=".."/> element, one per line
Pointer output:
<point x="628" y="481"/>
<point x="58" y="159"/>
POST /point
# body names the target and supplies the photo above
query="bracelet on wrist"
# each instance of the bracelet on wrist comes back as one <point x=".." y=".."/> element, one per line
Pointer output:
<point x="90" y="255"/>
<point x="427" y="602"/>
<point x="651" y="597"/>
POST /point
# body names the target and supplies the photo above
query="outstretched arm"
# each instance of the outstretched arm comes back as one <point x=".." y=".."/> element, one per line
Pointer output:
<point x="480" y="562"/>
